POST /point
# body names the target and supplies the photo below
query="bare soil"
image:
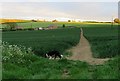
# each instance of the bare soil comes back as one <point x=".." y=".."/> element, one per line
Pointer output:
<point x="82" y="51"/>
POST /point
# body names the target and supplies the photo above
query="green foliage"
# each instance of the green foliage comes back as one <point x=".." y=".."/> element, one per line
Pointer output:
<point x="10" y="25"/>
<point x="17" y="54"/>
<point x="63" y="25"/>
<point x="19" y="62"/>
<point x="117" y="20"/>
<point x="26" y="25"/>
<point x="35" y="67"/>
<point x="103" y="40"/>
<point x="13" y="71"/>
<point x="32" y="67"/>
<point x="109" y="70"/>
<point x="43" y="41"/>
<point x="14" y="61"/>
<point x="69" y="20"/>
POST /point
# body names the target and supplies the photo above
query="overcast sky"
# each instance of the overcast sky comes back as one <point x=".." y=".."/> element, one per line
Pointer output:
<point x="100" y="11"/>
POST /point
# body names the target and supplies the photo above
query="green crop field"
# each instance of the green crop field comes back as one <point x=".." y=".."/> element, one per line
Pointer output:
<point x="59" y="24"/>
<point x="19" y="64"/>
<point x="45" y="40"/>
<point x="19" y="61"/>
<point x="103" y="40"/>
<point x="43" y="24"/>
<point x="46" y="24"/>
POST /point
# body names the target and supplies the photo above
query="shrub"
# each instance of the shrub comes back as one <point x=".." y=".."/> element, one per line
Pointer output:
<point x="17" y="54"/>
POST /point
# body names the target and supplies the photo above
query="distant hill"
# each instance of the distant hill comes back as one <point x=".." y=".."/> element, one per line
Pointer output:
<point x="12" y="20"/>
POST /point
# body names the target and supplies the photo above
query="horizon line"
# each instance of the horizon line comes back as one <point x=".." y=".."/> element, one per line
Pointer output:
<point x="58" y="19"/>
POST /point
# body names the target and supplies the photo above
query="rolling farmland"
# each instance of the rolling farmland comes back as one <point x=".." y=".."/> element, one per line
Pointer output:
<point x="45" y="40"/>
<point x="19" y="64"/>
<point x="60" y="40"/>
<point x="103" y="40"/>
<point x="59" y="24"/>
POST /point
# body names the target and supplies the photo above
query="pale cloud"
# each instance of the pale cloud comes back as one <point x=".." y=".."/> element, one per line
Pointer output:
<point x="51" y="10"/>
<point x="31" y="10"/>
<point x="59" y="0"/>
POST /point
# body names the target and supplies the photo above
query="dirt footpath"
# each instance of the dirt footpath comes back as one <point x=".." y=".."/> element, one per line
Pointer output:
<point x="83" y="52"/>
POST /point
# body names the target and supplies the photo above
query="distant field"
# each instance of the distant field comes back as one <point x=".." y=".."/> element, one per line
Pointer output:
<point x="45" y="40"/>
<point x="44" y="24"/>
<point x="59" y="24"/>
<point x="103" y="40"/>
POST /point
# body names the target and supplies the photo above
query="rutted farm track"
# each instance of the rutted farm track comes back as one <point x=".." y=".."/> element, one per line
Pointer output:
<point x="83" y="52"/>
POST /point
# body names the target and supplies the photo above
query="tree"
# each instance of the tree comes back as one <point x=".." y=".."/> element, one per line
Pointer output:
<point x="116" y="20"/>
<point x="63" y="25"/>
<point x="69" y="20"/>
<point x="11" y="25"/>
<point x="34" y="20"/>
<point x="55" y="20"/>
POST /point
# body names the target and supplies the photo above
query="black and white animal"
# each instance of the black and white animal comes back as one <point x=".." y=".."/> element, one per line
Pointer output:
<point x="53" y="55"/>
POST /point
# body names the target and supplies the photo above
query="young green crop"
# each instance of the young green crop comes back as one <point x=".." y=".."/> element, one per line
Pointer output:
<point x="17" y="63"/>
<point x="21" y="64"/>
<point x="103" y="40"/>
<point x="46" y="40"/>
<point x="59" y="24"/>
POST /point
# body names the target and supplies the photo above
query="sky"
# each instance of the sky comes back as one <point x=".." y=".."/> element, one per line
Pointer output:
<point x="81" y="11"/>
<point x="59" y="0"/>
